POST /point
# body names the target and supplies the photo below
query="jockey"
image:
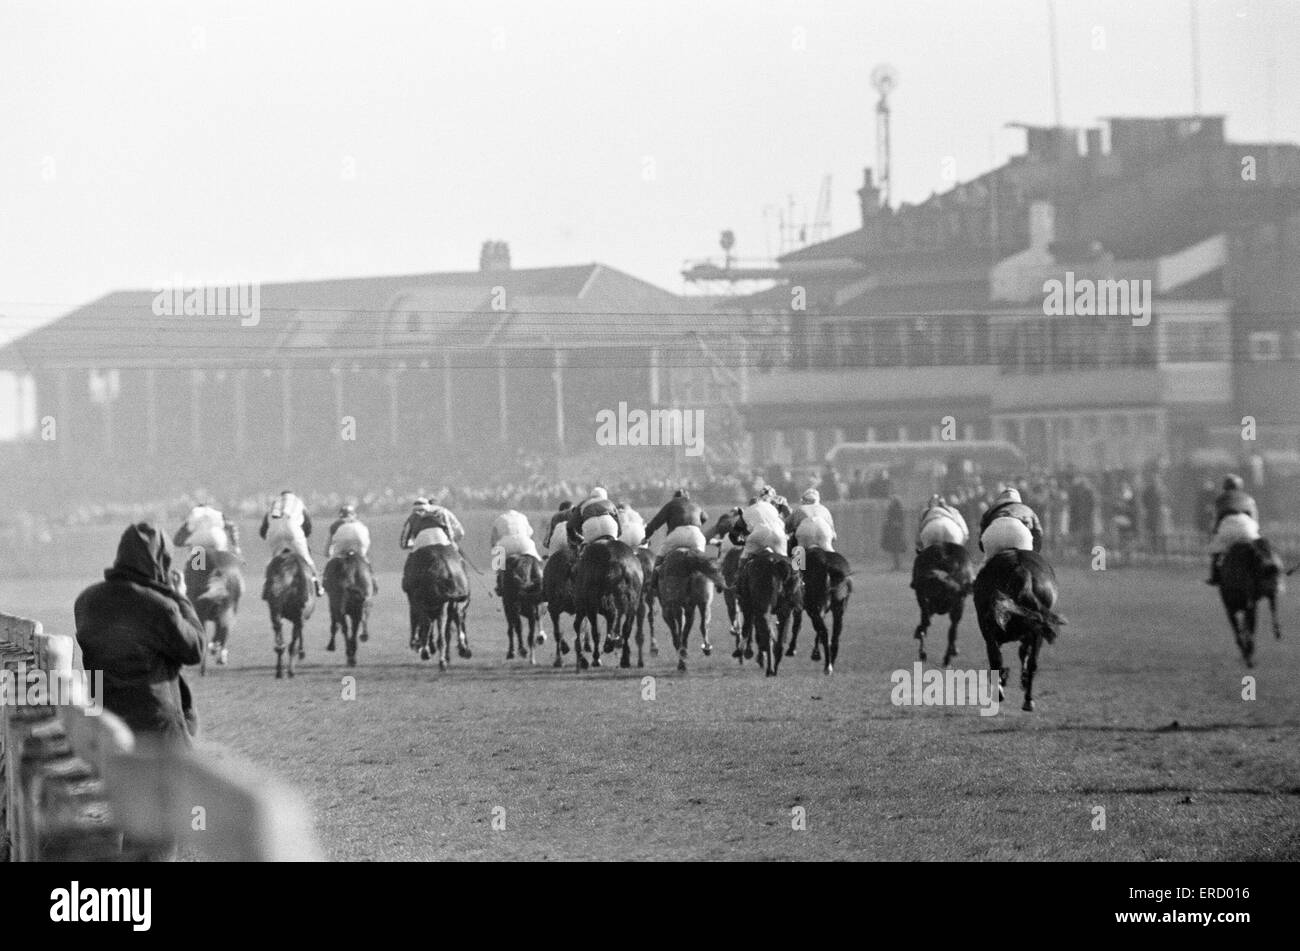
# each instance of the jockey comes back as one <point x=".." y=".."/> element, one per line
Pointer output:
<point x="348" y="533"/>
<point x="430" y="524"/>
<point x="557" y="532"/>
<point x="514" y="534"/>
<point x="941" y="522"/>
<point x="1236" y="519"/>
<point x="761" y="525"/>
<point x="633" y="526"/>
<point x="206" y="527"/>
<point x="1010" y="523"/>
<point x="286" y="527"/>
<point x="597" y="517"/>
<point x="811" y="523"/>
<point x="684" y="521"/>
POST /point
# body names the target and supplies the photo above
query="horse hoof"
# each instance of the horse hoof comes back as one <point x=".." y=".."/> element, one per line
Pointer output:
<point x="364" y="637"/>
<point x="625" y="663"/>
<point x="738" y="654"/>
<point x="814" y="656"/>
<point x="1027" y="706"/>
<point x="640" y="662"/>
<point x="595" y="661"/>
<point x="279" y="675"/>
<point x="424" y="653"/>
<point x="771" y="673"/>
<point x="707" y="649"/>
<point x="329" y="648"/>
<point x="681" y="665"/>
<point x="510" y="655"/>
<point x="291" y="672"/>
<point x="830" y="669"/>
<point x="564" y="647"/>
<point x="302" y="655"/>
<point x="582" y="663"/>
<point x="442" y="664"/>
<point x="558" y="663"/>
<point x="922" y="655"/>
<point x="749" y="652"/>
<point x="352" y="662"/>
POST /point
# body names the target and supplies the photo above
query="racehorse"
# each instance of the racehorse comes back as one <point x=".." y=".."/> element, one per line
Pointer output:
<point x="730" y="570"/>
<point x="557" y="592"/>
<point x="645" y="611"/>
<point x="437" y="589"/>
<point x="521" y="598"/>
<point x="826" y="590"/>
<point x="768" y="584"/>
<point x="289" y="596"/>
<point x="1015" y="598"/>
<point x="215" y="585"/>
<point x="349" y="584"/>
<point x="1249" y="572"/>
<point x="942" y="577"/>
<point x="607" y="583"/>
<point x="686" y="582"/>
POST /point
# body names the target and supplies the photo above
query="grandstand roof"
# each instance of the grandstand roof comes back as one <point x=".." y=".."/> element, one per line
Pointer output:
<point x="366" y="319"/>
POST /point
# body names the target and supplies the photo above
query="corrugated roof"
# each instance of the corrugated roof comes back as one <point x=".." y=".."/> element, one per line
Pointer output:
<point x="361" y="317"/>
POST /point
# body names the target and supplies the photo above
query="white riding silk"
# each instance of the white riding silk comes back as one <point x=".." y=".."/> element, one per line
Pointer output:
<point x="350" y="536"/>
<point x="1233" y="529"/>
<point x="1004" y="534"/>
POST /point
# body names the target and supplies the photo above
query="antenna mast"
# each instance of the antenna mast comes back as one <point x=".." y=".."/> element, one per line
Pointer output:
<point x="884" y="78"/>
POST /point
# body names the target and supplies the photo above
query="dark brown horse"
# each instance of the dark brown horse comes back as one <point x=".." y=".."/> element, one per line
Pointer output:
<point x="215" y="584"/>
<point x="290" y="596"/>
<point x="557" y="592"/>
<point x="826" y="590"/>
<point x="1250" y="572"/>
<point x="521" y="598"/>
<point x="437" y="589"/>
<point x="686" y="581"/>
<point x="607" y="583"/>
<point x="645" y="614"/>
<point x="730" y="563"/>
<point x="769" y="584"/>
<point x="942" y="577"/>
<point x="1015" y="598"/>
<point x="349" y="584"/>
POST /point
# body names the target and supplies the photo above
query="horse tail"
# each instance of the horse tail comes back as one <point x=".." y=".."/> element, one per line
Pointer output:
<point x="1043" y="621"/>
<point x="698" y="562"/>
<point x="952" y="586"/>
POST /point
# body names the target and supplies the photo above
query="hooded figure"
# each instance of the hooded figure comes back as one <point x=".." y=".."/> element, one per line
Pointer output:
<point x="137" y="629"/>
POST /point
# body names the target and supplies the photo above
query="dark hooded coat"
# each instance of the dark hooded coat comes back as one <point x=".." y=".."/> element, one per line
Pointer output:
<point x="139" y="631"/>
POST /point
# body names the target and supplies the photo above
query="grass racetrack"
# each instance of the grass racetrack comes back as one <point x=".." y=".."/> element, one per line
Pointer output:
<point x="1140" y="712"/>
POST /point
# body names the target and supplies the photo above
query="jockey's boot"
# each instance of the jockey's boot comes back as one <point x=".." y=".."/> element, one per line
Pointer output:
<point x="1214" y="570"/>
<point x="500" y="573"/>
<point x="320" y="588"/>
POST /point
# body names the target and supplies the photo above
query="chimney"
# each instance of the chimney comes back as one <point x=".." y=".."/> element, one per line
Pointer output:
<point x="868" y="197"/>
<point x="494" y="256"/>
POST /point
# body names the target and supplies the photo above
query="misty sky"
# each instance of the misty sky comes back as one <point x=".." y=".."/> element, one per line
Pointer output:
<point x="274" y="141"/>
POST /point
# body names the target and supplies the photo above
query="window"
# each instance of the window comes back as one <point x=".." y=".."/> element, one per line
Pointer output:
<point x="1265" y="345"/>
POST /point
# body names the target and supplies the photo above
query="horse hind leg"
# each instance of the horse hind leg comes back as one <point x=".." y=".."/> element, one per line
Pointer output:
<point x="1028" y="665"/>
<point x="277" y="628"/>
<point x="995" y="664"/>
<point x="954" y="618"/>
<point x="1272" y="607"/>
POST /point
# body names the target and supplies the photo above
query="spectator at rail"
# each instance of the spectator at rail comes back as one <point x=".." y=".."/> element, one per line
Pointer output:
<point x="1155" y="504"/>
<point x="1083" y="510"/>
<point x="893" y="534"/>
<point x="880" y="486"/>
<point x="139" y="628"/>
